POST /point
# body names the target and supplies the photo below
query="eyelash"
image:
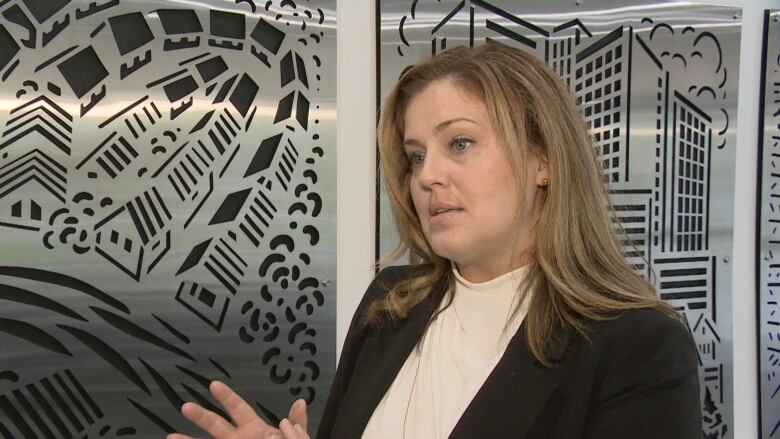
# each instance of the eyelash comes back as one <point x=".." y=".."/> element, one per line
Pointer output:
<point x="456" y="140"/>
<point x="415" y="159"/>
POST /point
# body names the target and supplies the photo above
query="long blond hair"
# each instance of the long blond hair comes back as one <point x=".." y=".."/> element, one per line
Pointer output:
<point x="578" y="270"/>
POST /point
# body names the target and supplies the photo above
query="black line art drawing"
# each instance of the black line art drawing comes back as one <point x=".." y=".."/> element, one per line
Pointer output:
<point x="658" y="95"/>
<point x="161" y="167"/>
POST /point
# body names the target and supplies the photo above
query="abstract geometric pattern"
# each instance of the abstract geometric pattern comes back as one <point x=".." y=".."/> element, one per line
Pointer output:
<point x="658" y="92"/>
<point x="165" y="211"/>
<point x="768" y="237"/>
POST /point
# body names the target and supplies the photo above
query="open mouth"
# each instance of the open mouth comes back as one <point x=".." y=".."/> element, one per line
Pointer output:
<point x="444" y="211"/>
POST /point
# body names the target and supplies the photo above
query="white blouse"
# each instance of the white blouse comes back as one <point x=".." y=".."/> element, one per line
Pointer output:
<point x="459" y="351"/>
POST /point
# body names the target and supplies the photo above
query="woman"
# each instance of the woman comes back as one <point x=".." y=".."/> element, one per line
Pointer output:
<point x="520" y="317"/>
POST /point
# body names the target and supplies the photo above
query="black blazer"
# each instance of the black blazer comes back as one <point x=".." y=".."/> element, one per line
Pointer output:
<point x="636" y="378"/>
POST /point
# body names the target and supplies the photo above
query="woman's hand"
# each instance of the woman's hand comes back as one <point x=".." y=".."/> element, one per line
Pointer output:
<point x="246" y="424"/>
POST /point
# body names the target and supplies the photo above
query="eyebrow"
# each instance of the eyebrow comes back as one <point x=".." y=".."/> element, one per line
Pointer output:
<point x="440" y="127"/>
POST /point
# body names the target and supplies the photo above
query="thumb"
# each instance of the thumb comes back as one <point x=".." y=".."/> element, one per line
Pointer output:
<point x="298" y="414"/>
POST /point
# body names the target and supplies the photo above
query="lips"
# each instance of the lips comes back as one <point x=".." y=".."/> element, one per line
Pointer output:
<point x="442" y="210"/>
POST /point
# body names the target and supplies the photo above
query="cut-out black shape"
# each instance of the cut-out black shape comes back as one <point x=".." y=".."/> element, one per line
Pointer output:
<point x="15" y="15"/>
<point x="268" y="36"/>
<point x="269" y="415"/>
<point x="136" y="331"/>
<point x="227" y="24"/>
<point x="211" y="68"/>
<point x="97" y="30"/>
<point x="286" y="69"/>
<point x="176" y="333"/>
<point x="83" y="71"/>
<point x="74" y="399"/>
<point x="203" y="401"/>
<point x="126" y="70"/>
<point x="223" y="91"/>
<point x="179" y="21"/>
<point x="314" y="235"/>
<point x="260" y="56"/>
<point x="284" y="110"/>
<point x="11" y="375"/>
<point x="55" y="396"/>
<point x="176" y="112"/>
<point x="47" y="408"/>
<point x="244" y="94"/>
<point x="64" y="281"/>
<point x="184" y="43"/>
<point x="203" y="381"/>
<point x="16" y="418"/>
<point x="33" y="413"/>
<point x="152" y="417"/>
<point x="42" y="10"/>
<point x="180" y="88"/>
<point x="302" y="111"/>
<point x="93" y="100"/>
<point x="220" y="367"/>
<point x="301" y="68"/>
<point x="264" y="155"/>
<point x="202" y="122"/>
<point x="170" y="394"/>
<point x="53" y="88"/>
<point x="94" y="8"/>
<point x="229" y="161"/>
<point x="230" y="207"/>
<point x="34" y="335"/>
<point x="8" y="47"/>
<point x="226" y="44"/>
<point x="108" y="353"/>
<point x="56" y="28"/>
<point x="268" y="261"/>
<point x="194" y="257"/>
<point x="55" y="58"/>
<point x="20" y="295"/>
<point x="130" y="31"/>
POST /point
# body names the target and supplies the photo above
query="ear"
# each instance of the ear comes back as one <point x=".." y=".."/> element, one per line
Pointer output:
<point x="542" y="176"/>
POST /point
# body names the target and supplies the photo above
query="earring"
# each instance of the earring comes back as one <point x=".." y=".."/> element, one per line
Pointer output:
<point x="545" y="183"/>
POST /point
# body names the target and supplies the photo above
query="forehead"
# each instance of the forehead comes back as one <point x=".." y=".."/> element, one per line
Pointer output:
<point x="441" y="101"/>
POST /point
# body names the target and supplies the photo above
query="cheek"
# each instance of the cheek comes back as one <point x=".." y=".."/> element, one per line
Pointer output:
<point x="417" y="199"/>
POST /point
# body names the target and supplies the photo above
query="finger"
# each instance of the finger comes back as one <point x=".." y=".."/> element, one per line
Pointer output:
<point x="289" y="431"/>
<point x="238" y="409"/>
<point x="207" y="420"/>
<point x="302" y="431"/>
<point x="298" y="414"/>
<point x="178" y="436"/>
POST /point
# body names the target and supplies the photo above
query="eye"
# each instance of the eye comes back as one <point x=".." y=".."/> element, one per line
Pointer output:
<point x="415" y="159"/>
<point x="460" y="144"/>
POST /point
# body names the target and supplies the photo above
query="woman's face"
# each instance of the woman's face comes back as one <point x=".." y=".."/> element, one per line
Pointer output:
<point x="462" y="184"/>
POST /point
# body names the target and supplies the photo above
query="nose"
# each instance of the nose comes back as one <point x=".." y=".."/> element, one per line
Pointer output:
<point x="433" y="171"/>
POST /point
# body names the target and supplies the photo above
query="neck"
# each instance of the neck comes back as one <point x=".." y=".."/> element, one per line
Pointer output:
<point x="483" y="272"/>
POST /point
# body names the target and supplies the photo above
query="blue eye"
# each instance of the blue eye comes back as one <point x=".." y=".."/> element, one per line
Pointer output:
<point x="415" y="159"/>
<point x="461" y="144"/>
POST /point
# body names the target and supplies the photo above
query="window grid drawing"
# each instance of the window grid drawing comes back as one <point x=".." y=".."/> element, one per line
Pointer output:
<point x="692" y="142"/>
<point x="601" y="94"/>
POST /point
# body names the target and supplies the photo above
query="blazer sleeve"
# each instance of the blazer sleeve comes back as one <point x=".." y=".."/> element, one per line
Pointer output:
<point x="650" y="383"/>
<point x="353" y="343"/>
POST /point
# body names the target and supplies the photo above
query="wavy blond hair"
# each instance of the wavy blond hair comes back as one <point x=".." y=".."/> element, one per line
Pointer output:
<point x="578" y="270"/>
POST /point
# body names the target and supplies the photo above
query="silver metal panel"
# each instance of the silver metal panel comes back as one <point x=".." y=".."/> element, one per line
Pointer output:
<point x="768" y="248"/>
<point x="657" y="82"/>
<point x="167" y="212"/>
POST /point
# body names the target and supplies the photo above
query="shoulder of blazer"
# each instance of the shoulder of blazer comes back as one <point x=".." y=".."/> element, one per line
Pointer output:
<point x="384" y="281"/>
<point x="639" y="346"/>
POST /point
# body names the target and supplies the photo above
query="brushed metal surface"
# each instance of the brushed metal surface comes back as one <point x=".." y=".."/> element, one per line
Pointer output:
<point x="657" y="83"/>
<point x="167" y="212"/>
<point x="768" y="249"/>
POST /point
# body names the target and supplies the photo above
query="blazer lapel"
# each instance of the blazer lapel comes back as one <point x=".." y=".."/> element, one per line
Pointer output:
<point x="513" y="396"/>
<point x="382" y="356"/>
